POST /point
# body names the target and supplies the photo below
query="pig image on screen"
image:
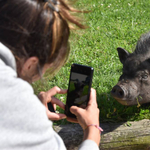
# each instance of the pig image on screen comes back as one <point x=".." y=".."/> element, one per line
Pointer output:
<point x="133" y="86"/>
<point x="78" y="91"/>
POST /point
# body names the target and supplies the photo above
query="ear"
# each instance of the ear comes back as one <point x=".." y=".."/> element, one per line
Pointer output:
<point x="123" y="54"/>
<point x="30" y="65"/>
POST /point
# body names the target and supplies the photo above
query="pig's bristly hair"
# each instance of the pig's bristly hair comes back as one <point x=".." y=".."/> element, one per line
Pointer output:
<point x="143" y="44"/>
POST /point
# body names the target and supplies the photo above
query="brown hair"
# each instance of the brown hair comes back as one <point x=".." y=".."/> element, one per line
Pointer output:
<point x="32" y="28"/>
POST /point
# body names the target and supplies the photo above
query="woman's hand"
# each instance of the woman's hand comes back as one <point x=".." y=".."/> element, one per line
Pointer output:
<point x="47" y="97"/>
<point x="88" y="116"/>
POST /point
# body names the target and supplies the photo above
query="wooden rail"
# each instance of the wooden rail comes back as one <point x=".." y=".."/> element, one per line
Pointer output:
<point x="116" y="136"/>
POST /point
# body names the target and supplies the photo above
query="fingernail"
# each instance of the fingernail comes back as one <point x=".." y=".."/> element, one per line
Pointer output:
<point x="64" y="117"/>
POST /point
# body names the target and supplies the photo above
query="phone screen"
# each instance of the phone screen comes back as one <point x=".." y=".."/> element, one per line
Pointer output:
<point x="79" y="87"/>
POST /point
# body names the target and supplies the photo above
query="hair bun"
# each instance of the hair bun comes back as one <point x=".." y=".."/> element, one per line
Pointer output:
<point x="52" y="4"/>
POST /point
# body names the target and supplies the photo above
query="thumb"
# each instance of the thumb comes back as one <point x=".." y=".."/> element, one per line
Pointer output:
<point x="74" y="110"/>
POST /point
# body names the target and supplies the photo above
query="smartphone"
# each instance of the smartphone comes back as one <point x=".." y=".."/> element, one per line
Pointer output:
<point x="79" y="87"/>
<point x="50" y="107"/>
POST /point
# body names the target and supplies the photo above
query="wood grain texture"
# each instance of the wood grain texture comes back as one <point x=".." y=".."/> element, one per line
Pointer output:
<point x="116" y="136"/>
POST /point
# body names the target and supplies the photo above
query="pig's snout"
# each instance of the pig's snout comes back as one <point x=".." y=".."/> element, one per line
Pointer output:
<point x="118" y="92"/>
<point x="126" y="93"/>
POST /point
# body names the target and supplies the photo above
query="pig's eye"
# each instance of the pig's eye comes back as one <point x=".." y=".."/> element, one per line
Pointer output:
<point x="144" y="77"/>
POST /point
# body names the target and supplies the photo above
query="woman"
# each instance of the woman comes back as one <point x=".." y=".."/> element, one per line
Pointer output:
<point x="33" y="38"/>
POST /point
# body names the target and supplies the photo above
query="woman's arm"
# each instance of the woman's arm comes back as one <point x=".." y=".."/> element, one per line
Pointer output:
<point x="87" y="118"/>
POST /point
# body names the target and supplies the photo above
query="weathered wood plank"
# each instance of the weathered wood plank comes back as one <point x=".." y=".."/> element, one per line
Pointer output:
<point x="116" y="136"/>
<point x="121" y="136"/>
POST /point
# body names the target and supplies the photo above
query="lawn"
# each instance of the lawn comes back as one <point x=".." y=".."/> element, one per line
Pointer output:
<point x="112" y="24"/>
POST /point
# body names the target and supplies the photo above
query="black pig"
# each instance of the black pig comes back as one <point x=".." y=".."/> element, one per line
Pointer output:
<point x="134" y="83"/>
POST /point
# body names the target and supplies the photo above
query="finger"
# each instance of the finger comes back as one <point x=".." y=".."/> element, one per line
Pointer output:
<point x="55" y="116"/>
<point x="55" y="90"/>
<point x="56" y="101"/>
<point x="75" y="110"/>
<point x="92" y="99"/>
<point x="73" y="120"/>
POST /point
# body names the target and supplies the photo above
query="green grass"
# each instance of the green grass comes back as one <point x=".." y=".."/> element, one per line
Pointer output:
<point x="112" y="24"/>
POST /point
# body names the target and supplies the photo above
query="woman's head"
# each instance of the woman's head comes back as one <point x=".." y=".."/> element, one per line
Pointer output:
<point x="36" y="28"/>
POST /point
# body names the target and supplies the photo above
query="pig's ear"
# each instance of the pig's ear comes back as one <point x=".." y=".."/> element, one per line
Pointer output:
<point x="123" y="54"/>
